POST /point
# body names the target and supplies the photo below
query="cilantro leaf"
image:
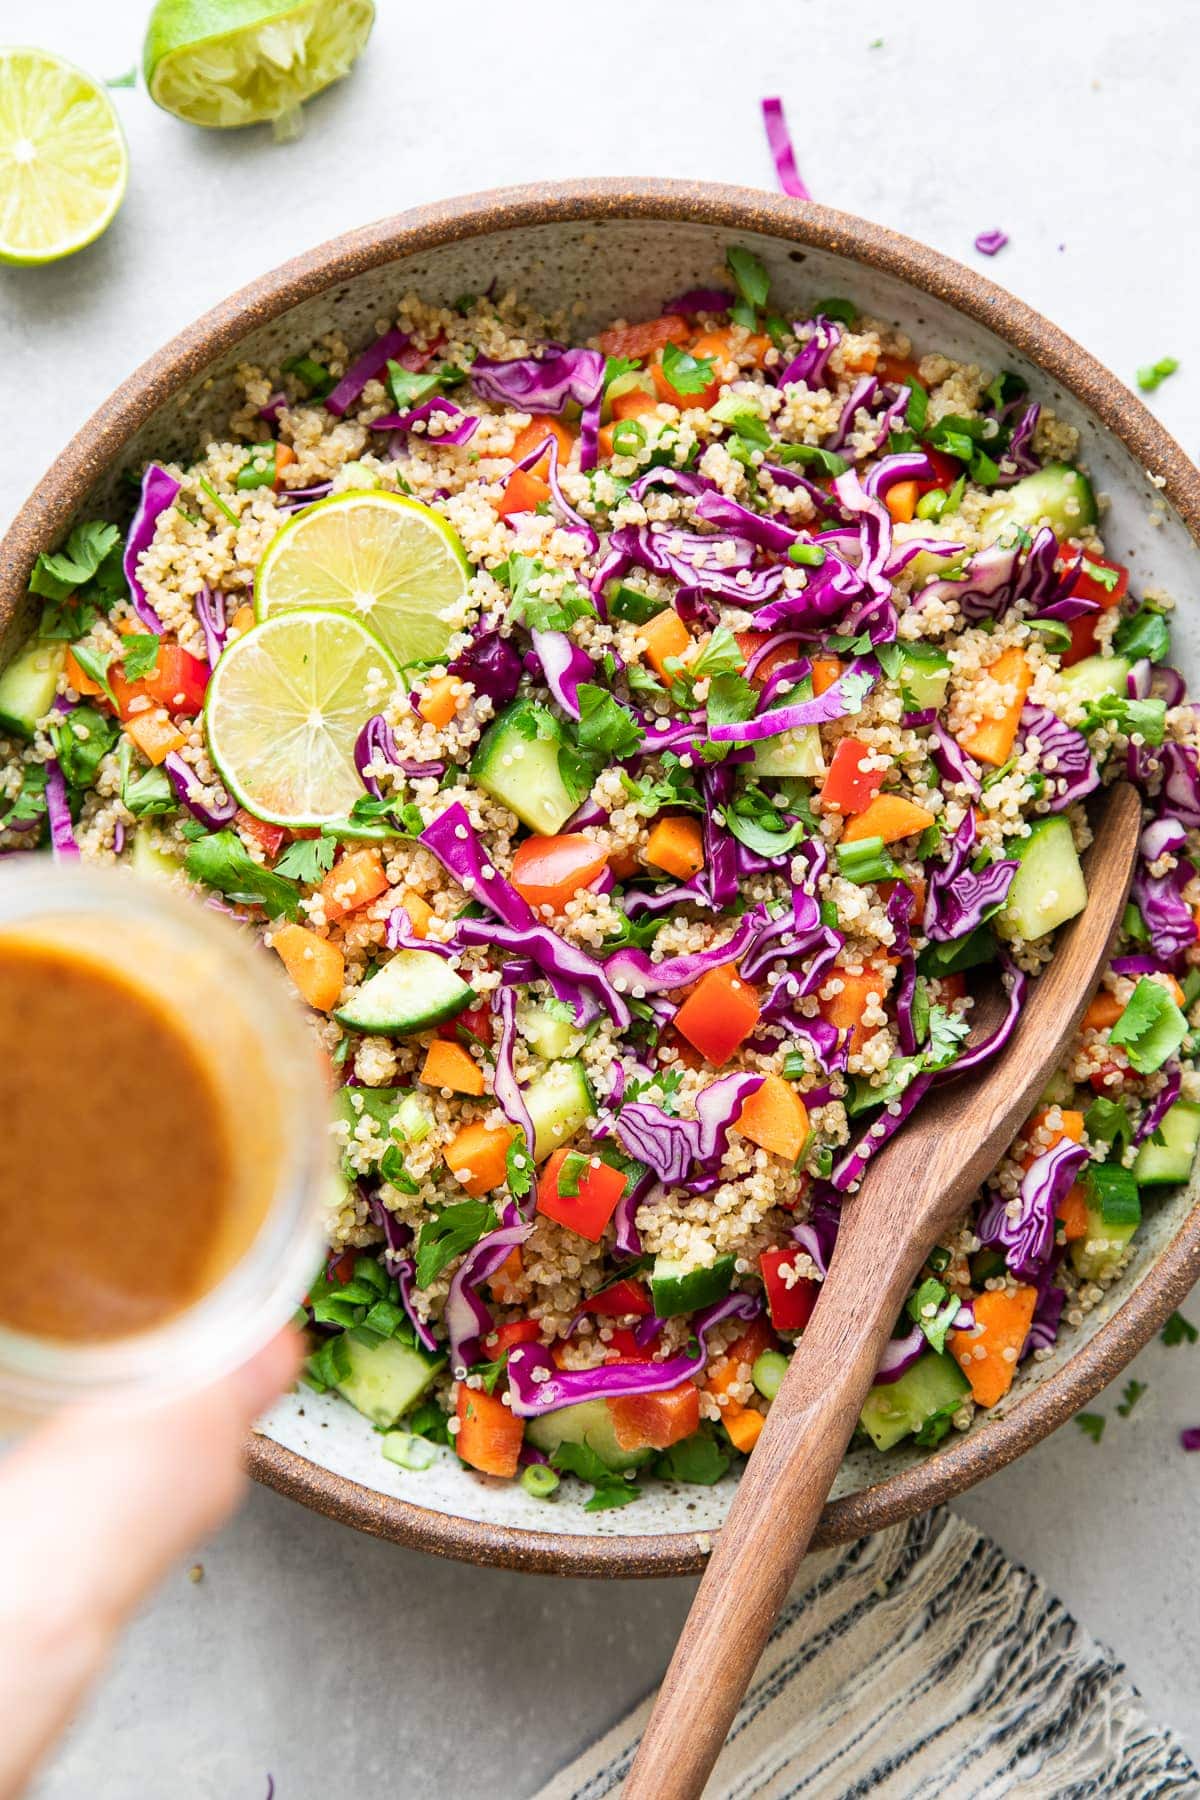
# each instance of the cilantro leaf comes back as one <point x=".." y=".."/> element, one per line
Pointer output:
<point x="699" y="1460"/>
<point x="1178" y="1330"/>
<point x="518" y="1167"/>
<point x="57" y="574"/>
<point x="686" y="373"/>
<point x="731" y="698"/>
<point x="534" y="610"/>
<point x="453" y="1232"/>
<point x="81" y="741"/>
<point x="95" y="664"/>
<point x="30" y="802"/>
<point x="150" y="793"/>
<point x="1145" y="634"/>
<point x="934" y="1308"/>
<point x="1091" y="1424"/>
<point x="1151" y="1028"/>
<point x="616" y="366"/>
<point x="749" y="272"/>
<point x="606" y="729"/>
<point x="1145" y="716"/>
<point x="139" y="655"/>
<point x="757" y="822"/>
<point x="1108" y="1122"/>
<point x="221" y="860"/>
<point x="946" y="1032"/>
<point x="1130" y="1395"/>
<point x="826" y="462"/>
<point x="308" y="859"/>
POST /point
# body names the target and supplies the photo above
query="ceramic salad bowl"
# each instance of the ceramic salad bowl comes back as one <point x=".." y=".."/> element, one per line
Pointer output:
<point x="605" y="249"/>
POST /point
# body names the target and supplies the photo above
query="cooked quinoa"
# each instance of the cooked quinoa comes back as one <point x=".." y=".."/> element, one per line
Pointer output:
<point x="787" y="657"/>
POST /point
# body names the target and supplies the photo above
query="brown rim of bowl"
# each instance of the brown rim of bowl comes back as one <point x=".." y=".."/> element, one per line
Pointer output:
<point x="51" y="507"/>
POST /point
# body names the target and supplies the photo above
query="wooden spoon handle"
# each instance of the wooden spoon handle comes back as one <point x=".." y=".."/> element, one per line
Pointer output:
<point x="779" y="1501"/>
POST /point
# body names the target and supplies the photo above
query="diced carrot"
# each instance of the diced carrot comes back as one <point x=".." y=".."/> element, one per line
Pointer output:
<point x="890" y="817"/>
<point x="477" y="1155"/>
<point x="720" y="344"/>
<point x="83" y="684"/>
<point x="685" y="1053"/>
<point x="523" y="492"/>
<point x="644" y="339"/>
<point x="1002" y="1323"/>
<point x="419" y="912"/>
<point x="1104" y="1009"/>
<point x="848" y="787"/>
<point x="676" y="844"/>
<point x="1174" y="989"/>
<point x="992" y="740"/>
<point x="1072" y="1211"/>
<point x="897" y="368"/>
<point x="316" y="966"/>
<point x="439" y="703"/>
<point x="743" y="1353"/>
<point x="355" y="880"/>
<point x="916" y="883"/>
<point x="862" y="361"/>
<point x="535" y="433"/>
<point x="662" y="636"/>
<point x="901" y="501"/>
<point x="604" y="437"/>
<point x="1071" y="1127"/>
<point x="719" y="1014"/>
<point x="623" y="863"/>
<point x="284" y="455"/>
<point x="489" y="1433"/>
<point x="155" y="734"/>
<point x="654" y="1421"/>
<point x="547" y="871"/>
<point x="775" y="1118"/>
<point x="825" y="671"/>
<point x="743" y="1424"/>
<point x="448" y="1065"/>
<point x="242" y="619"/>
<point x="634" y="405"/>
<point x="509" y="1286"/>
<point x="845" y="1010"/>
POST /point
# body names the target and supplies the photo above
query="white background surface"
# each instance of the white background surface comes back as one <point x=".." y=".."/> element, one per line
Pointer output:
<point x="333" y="1661"/>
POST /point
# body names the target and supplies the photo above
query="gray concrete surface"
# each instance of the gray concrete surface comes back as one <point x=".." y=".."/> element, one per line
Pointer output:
<point x="346" y="1666"/>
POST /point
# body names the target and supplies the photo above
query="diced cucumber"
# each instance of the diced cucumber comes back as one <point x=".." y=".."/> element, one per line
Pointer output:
<point x="634" y="381"/>
<point x="559" y="1102"/>
<point x="1048" y="888"/>
<point x="520" y="762"/>
<point x="150" y="858"/>
<point x="1058" y="1091"/>
<point x="386" y="1378"/>
<point x="546" y="1035"/>
<point x="792" y="752"/>
<point x="676" y="1289"/>
<point x="1096" y="676"/>
<point x="924" y="676"/>
<point x="27" y="685"/>
<point x="1172" y="1159"/>
<point x="590" y="1423"/>
<point x="414" y="1119"/>
<point x="411" y="991"/>
<point x="1099" y="1253"/>
<point x="1057" y="496"/>
<point x="924" y="1397"/>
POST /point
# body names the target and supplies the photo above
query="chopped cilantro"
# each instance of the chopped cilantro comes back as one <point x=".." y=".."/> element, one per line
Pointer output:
<point x="139" y="655"/>
<point x="89" y="554"/>
<point x="308" y="859"/>
<point x="1178" y="1330"/>
<point x="750" y="275"/>
<point x="1130" y="1395"/>
<point x="686" y="373"/>
<point x="1091" y="1424"/>
<point x="452" y="1232"/>
<point x="220" y="860"/>
<point x="606" y="729"/>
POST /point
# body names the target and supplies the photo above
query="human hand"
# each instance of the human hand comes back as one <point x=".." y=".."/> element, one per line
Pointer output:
<point x="95" y="1506"/>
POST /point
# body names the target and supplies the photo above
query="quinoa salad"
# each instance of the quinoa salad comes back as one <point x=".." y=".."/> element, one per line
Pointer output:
<point x="636" y="751"/>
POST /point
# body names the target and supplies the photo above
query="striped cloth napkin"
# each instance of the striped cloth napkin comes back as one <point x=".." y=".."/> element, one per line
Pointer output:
<point x="921" y="1664"/>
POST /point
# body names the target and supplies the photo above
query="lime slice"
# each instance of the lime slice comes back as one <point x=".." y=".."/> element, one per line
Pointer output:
<point x="237" y="62"/>
<point x="62" y="158"/>
<point x="391" y="561"/>
<point x="283" y="708"/>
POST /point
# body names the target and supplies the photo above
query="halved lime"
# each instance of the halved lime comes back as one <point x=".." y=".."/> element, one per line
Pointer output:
<point x="237" y="62"/>
<point x="62" y="157"/>
<point x="387" y="559"/>
<point x="283" y="708"/>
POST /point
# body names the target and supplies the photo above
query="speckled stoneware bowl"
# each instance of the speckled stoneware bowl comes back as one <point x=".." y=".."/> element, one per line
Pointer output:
<point x="603" y="249"/>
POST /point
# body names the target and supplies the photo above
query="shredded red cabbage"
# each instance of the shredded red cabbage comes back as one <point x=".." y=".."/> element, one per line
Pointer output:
<point x="540" y="385"/>
<point x="458" y="434"/>
<point x="1158" y="1108"/>
<point x="536" y="1386"/>
<point x="780" y="144"/>
<point x="564" y="667"/>
<point x="373" y="361"/>
<point x="505" y="1085"/>
<point x="1074" y="774"/>
<point x="210" y="611"/>
<point x="571" y="972"/>
<point x="159" y="491"/>
<point x="675" y="1148"/>
<point x="374" y="744"/>
<point x="183" y="779"/>
<point x="62" y="832"/>
<point x="1028" y="1238"/>
<point x="468" y="1318"/>
<point x="900" y="1354"/>
<point x="989" y="242"/>
<point x="452" y="839"/>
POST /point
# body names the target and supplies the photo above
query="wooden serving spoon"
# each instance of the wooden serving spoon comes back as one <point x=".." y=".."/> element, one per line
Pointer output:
<point x="913" y="1190"/>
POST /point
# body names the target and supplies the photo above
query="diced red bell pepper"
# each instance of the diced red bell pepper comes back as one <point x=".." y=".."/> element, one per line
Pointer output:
<point x="489" y="1433"/>
<point x="523" y="492"/>
<point x="1106" y="593"/>
<point x="623" y="1300"/>
<point x="654" y="1421"/>
<point x="790" y="1306"/>
<point x="547" y="871"/>
<point x="719" y="1014"/>
<point x="848" y="787"/>
<point x="750" y="641"/>
<point x="1099" y="1079"/>
<point x="1083" y="639"/>
<point x="177" y="681"/>
<point x="946" y="471"/>
<point x="498" y="1343"/>
<point x="623" y="1347"/>
<point x="269" y="838"/>
<point x="588" y="1211"/>
<point x="475" y="1019"/>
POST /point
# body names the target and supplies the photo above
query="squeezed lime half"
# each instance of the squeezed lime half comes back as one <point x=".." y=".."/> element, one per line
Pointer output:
<point x="240" y="62"/>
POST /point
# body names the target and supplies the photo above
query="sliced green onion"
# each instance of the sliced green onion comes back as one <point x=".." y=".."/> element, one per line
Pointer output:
<point x="217" y="501"/>
<point x="259" y="468"/>
<point x="866" y="861"/>
<point x="539" y="1480"/>
<point x="768" y="1372"/>
<point x="407" y="1451"/>
<point x="628" y="437"/>
<point x="933" y="504"/>
<point x="809" y="556"/>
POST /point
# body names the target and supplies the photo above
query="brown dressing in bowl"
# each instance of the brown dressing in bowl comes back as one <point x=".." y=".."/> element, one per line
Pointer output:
<point x="117" y="1170"/>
